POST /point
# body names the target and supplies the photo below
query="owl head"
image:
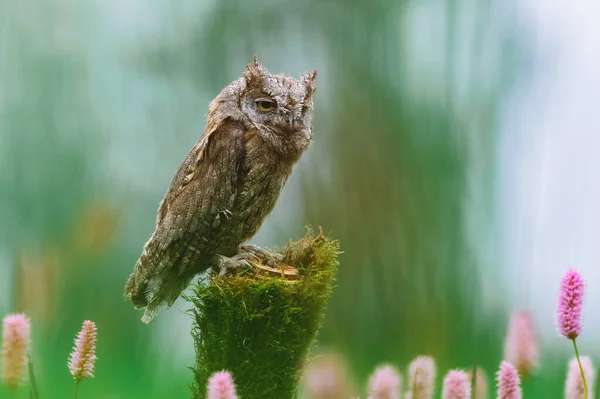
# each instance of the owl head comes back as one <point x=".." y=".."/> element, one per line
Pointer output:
<point x="278" y="103"/>
<point x="279" y="107"/>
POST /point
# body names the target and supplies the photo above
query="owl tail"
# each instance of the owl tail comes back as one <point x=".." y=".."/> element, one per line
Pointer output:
<point x="160" y="280"/>
<point x="149" y="314"/>
<point x="137" y="286"/>
<point x="139" y="290"/>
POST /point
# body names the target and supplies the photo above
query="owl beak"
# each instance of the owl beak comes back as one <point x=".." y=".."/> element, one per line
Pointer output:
<point x="291" y="119"/>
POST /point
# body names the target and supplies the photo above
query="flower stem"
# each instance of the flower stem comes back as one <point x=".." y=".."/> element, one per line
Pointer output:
<point x="33" y="390"/>
<point x="585" y="388"/>
<point x="414" y="385"/>
<point x="473" y="381"/>
<point x="76" y="389"/>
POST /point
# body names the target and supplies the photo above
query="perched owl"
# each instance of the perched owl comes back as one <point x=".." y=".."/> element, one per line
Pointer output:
<point x="258" y="127"/>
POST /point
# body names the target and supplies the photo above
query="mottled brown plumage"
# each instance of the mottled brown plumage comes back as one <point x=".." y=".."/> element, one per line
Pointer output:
<point x="258" y="127"/>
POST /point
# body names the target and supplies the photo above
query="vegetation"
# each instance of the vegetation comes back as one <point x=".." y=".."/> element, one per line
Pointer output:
<point x="260" y="327"/>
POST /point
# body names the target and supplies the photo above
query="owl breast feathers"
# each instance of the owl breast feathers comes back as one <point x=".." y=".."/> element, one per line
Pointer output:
<point x="257" y="129"/>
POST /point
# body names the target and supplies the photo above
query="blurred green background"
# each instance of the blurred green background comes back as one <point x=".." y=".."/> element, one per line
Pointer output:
<point x="101" y="100"/>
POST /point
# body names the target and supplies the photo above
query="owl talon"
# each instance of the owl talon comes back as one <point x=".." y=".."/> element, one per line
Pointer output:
<point x="226" y="265"/>
<point x="268" y="258"/>
<point x="249" y="256"/>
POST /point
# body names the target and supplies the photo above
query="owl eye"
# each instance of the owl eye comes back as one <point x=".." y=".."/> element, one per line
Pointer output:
<point x="264" y="104"/>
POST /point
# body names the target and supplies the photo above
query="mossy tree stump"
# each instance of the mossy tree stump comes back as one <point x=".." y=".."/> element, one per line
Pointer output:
<point x="260" y="325"/>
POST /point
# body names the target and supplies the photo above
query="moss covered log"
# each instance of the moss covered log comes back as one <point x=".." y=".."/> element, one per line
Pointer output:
<point x="260" y="325"/>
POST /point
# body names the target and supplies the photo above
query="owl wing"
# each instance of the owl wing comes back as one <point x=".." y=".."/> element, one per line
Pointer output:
<point x="193" y="163"/>
<point x="204" y="186"/>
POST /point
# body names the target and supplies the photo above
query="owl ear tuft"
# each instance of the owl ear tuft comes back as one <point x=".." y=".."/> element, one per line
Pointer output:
<point x="309" y="83"/>
<point x="254" y="74"/>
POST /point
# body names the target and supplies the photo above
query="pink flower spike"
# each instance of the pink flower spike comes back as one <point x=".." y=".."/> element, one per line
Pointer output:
<point x="385" y="383"/>
<point x="574" y="383"/>
<point x="16" y="330"/>
<point x="456" y="385"/>
<point x="81" y="361"/>
<point x="509" y="383"/>
<point x="327" y="378"/>
<point x="221" y="386"/>
<point x="421" y="374"/>
<point x="570" y="303"/>
<point x="521" y="345"/>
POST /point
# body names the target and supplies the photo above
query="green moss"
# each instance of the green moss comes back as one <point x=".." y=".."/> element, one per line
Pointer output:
<point x="259" y="327"/>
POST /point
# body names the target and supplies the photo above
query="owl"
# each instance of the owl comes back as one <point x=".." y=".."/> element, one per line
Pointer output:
<point x="258" y="128"/>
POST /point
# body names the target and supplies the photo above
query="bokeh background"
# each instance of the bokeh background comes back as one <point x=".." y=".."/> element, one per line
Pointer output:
<point x="454" y="156"/>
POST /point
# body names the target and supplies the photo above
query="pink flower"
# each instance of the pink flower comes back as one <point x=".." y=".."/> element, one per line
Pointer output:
<point x="15" y="338"/>
<point x="421" y="374"/>
<point x="221" y="386"/>
<point x="385" y="383"/>
<point x="81" y="361"/>
<point x="456" y="385"/>
<point x="570" y="302"/>
<point x="521" y="345"/>
<point x="574" y="383"/>
<point x="327" y="378"/>
<point x="509" y="383"/>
